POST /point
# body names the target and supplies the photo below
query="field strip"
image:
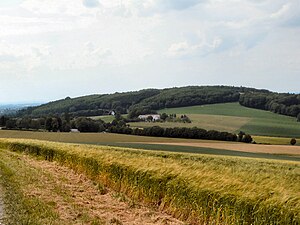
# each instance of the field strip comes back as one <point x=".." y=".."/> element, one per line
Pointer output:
<point x="78" y="200"/>
<point x="271" y="149"/>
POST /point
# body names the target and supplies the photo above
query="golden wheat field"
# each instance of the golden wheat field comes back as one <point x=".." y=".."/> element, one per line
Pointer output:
<point x="197" y="189"/>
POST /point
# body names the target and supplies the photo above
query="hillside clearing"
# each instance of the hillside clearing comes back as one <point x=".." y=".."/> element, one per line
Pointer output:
<point x="234" y="117"/>
<point x="72" y="198"/>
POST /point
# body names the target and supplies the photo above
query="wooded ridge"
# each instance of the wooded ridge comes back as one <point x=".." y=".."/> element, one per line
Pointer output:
<point x="149" y="100"/>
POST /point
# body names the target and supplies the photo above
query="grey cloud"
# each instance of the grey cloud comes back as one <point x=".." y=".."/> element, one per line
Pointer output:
<point x="91" y="3"/>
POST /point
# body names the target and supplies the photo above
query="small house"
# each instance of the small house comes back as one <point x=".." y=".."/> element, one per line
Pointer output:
<point x="154" y="117"/>
<point x="74" y="131"/>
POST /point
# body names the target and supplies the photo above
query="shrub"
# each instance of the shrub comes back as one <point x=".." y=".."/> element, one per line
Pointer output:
<point x="293" y="141"/>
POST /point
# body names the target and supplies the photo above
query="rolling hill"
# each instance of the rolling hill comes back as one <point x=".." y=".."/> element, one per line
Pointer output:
<point x="149" y="100"/>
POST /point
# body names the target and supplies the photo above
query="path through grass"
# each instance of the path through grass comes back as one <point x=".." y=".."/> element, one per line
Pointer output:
<point x="41" y="192"/>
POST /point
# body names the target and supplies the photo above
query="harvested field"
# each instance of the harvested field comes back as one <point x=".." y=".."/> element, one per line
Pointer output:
<point x="271" y="149"/>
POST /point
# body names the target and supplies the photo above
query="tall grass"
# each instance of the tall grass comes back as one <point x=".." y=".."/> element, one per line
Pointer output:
<point x="197" y="189"/>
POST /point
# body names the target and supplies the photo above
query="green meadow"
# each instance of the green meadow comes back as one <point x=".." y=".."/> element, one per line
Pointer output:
<point x="234" y="117"/>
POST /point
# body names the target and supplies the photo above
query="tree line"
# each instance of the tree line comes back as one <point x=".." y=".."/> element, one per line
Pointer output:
<point x="118" y="125"/>
<point x="281" y="103"/>
<point x="54" y="124"/>
<point x="178" y="132"/>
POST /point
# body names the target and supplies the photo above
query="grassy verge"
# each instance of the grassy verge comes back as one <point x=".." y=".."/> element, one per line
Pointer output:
<point x="19" y="209"/>
<point x="202" y="150"/>
<point x="195" y="188"/>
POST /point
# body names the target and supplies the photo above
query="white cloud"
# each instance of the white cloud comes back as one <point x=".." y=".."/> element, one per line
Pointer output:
<point x="91" y="3"/>
<point x="21" y="57"/>
<point x="153" y="37"/>
<point x="186" y="49"/>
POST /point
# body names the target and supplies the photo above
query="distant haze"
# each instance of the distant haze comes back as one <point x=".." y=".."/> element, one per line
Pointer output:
<point x="52" y="49"/>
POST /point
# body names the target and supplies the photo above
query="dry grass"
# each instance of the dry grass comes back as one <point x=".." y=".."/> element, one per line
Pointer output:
<point x="1" y="205"/>
<point x="272" y="149"/>
<point x="75" y="198"/>
<point x="198" y="189"/>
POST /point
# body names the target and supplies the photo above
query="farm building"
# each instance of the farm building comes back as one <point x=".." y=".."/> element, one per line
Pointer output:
<point x="74" y="131"/>
<point x="113" y="113"/>
<point x="155" y="117"/>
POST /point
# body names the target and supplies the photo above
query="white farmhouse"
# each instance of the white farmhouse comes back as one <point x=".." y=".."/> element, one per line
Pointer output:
<point x="155" y="117"/>
<point x="74" y="131"/>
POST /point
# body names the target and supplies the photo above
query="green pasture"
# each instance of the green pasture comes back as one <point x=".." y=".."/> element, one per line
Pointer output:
<point x="106" y="119"/>
<point x="233" y="117"/>
<point x="209" y="122"/>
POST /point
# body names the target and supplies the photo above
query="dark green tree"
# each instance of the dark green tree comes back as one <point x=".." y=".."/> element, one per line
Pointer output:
<point x="48" y="124"/>
<point x="55" y="125"/>
<point x="3" y="120"/>
<point x="163" y="116"/>
<point x="10" y="124"/>
<point x="293" y="141"/>
<point x="247" y="138"/>
<point x="240" y="136"/>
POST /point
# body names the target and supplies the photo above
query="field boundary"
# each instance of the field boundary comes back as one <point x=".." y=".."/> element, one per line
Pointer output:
<point x="167" y="192"/>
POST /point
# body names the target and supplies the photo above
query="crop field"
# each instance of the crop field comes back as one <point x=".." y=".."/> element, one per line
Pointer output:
<point x="278" y="151"/>
<point x="196" y="189"/>
<point x="87" y="138"/>
<point x="43" y="192"/>
<point x="234" y="117"/>
<point x="209" y="122"/>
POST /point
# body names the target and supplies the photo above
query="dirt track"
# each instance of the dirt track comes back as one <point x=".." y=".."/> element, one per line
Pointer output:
<point x="111" y="207"/>
<point x="255" y="148"/>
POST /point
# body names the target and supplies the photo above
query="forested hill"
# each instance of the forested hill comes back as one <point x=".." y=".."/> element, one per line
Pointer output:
<point x="149" y="100"/>
<point x="282" y="103"/>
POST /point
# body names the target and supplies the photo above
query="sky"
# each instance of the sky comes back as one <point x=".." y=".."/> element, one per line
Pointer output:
<point x="51" y="49"/>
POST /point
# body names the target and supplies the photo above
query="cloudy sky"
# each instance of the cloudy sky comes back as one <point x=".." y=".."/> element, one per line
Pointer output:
<point x="50" y="49"/>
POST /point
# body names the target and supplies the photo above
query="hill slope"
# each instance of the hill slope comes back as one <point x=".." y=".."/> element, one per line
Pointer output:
<point x="234" y="117"/>
<point x="148" y="100"/>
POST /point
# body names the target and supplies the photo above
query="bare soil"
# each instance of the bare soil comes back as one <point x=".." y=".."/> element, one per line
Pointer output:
<point x="255" y="148"/>
<point x="76" y="196"/>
